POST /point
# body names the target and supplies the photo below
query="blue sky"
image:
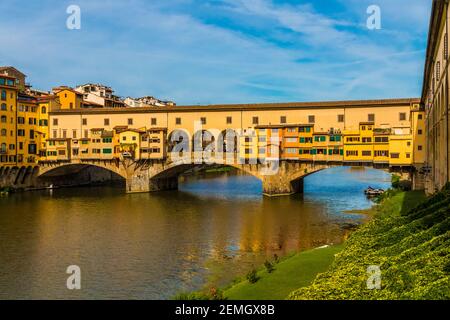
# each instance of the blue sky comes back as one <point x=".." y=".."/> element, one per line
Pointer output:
<point x="221" y="51"/>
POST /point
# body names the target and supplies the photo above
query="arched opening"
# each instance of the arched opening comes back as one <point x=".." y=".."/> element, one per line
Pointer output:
<point x="81" y="175"/>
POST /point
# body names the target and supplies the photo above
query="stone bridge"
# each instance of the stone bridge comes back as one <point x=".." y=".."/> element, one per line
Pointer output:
<point x="282" y="177"/>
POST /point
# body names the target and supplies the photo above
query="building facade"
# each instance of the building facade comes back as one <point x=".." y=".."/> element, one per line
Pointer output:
<point x="435" y="99"/>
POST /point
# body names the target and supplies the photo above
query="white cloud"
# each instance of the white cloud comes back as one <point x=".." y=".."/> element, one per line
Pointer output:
<point x="141" y="48"/>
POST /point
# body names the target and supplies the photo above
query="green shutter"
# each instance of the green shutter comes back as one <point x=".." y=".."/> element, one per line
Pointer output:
<point x="341" y="152"/>
<point x="322" y="139"/>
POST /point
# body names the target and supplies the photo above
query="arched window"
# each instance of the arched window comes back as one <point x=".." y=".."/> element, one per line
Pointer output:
<point x="3" y="96"/>
<point x="3" y="133"/>
<point x="3" y="149"/>
<point x="44" y="110"/>
<point x="4" y="107"/>
<point x="3" y="119"/>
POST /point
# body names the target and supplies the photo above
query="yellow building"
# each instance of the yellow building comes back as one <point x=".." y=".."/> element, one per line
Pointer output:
<point x="58" y="149"/>
<point x="8" y="107"/>
<point x="68" y="98"/>
<point x="435" y="100"/>
<point x="153" y="144"/>
<point x="28" y="133"/>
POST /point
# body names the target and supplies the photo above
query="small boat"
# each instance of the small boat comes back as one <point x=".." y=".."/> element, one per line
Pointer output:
<point x="372" y="192"/>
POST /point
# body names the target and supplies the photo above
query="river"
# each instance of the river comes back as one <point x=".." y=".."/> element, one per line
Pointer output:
<point x="153" y="246"/>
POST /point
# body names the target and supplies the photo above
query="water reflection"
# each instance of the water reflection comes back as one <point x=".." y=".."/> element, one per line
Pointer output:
<point x="155" y="245"/>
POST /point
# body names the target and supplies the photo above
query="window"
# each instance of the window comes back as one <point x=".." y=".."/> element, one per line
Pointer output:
<point x="402" y="116"/>
<point x="107" y="151"/>
<point x="420" y="148"/>
<point x="366" y="140"/>
<point x="130" y="121"/>
<point x="153" y="121"/>
<point x="74" y="134"/>
<point x="255" y="120"/>
<point x="292" y="150"/>
<point x="446" y="46"/>
<point x="367" y="153"/>
<point x="3" y="95"/>
<point x="408" y="143"/>
<point x="408" y="155"/>
<point x="341" y="118"/>
<point x="55" y="122"/>
<point x="43" y="110"/>
<point x="203" y="120"/>
<point x="395" y="155"/>
<point x="86" y="133"/>
<point x="420" y="117"/>
<point x="3" y="133"/>
<point x="311" y="119"/>
<point x="248" y="151"/>
<point x="283" y="119"/>
<point x="4" y="119"/>
<point x="64" y="134"/>
<point x="262" y="150"/>
<point x="61" y="152"/>
<point x="84" y="122"/>
<point x="4" y="107"/>
<point x="419" y="131"/>
<point x="351" y="153"/>
<point x="291" y="140"/>
<point x="177" y="121"/>
<point x="107" y="140"/>
<point x="438" y="71"/>
<point x="55" y="134"/>
<point x="381" y="153"/>
<point x="21" y="133"/>
<point x="229" y="120"/>
<point x="381" y="139"/>
<point x="371" y="117"/>
<point x="106" y="122"/>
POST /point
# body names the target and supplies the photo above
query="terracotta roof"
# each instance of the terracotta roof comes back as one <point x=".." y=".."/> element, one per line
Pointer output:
<point x="5" y="68"/>
<point x="281" y="126"/>
<point x="249" y="107"/>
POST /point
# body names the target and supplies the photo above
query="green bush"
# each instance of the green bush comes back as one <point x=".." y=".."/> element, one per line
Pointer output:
<point x="252" y="276"/>
<point x="269" y="266"/>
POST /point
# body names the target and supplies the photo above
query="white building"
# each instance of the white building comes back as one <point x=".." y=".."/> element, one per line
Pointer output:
<point x="101" y="95"/>
<point x="147" y="101"/>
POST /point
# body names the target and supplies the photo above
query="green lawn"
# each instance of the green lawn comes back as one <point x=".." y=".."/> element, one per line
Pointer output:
<point x="290" y="274"/>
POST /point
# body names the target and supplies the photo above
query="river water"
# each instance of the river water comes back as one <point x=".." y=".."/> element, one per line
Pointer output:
<point x="153" y="246"/>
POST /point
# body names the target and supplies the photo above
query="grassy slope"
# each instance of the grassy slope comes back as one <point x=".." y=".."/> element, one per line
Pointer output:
<point x="412" y="248"/>
<point x="291" y="273"/>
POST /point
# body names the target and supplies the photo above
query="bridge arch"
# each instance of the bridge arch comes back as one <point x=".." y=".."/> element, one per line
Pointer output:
<point x="75" y="174"/>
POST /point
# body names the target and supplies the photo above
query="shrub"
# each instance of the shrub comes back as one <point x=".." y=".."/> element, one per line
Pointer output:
<point x="252" y="276"/>
<point x="269" y="266"/>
